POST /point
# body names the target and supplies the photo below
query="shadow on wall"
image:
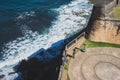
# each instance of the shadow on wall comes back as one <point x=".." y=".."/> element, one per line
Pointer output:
<point x="96" y="13"/>
<point x="118" y="30"/>
<point x="42" y="65"/>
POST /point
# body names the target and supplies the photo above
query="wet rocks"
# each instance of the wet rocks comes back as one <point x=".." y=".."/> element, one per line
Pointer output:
<point x="34" y="69"/>
<point x="2" y="76"/>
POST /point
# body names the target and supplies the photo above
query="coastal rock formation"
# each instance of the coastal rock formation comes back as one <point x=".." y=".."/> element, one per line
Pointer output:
<point x="35" y="69"/>
<point x="2" y="76"/>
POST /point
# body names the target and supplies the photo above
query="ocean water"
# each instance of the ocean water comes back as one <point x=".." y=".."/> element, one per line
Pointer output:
<point x="26" y="26"/>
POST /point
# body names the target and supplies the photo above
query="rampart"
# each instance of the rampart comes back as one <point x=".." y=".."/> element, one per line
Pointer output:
<point x="100" y="12"/>
<point x="109" y="7"/>
<point x="104" y="7"/>
<point x="118" y="1"/>
<point x="68" y="48"/>
<point x="100" y="22"/>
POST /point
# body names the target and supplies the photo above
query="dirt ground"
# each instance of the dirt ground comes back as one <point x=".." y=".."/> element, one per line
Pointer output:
<point x="96" y="64"/>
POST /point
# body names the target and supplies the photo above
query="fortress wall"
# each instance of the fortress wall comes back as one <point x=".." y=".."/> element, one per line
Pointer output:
<point x="95" y="30"/>
<point x="99" y="29"/>
<point x="96" y="13"/>
<point x="118" y="2"/>
<point x="105" y="7"/>
<point x="111" y="32"/>
<point x="109" y="7"/>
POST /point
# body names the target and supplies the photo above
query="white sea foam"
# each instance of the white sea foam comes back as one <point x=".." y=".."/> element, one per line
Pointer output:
<point x="71" y="18"/>
<point x="25" y="14"/>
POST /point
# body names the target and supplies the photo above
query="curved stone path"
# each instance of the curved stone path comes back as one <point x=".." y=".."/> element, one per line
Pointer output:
<point x="96" y="64"/>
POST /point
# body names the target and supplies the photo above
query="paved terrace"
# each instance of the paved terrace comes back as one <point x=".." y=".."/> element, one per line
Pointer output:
<point x="96" y="64"/>
<point x="75" y="43"/>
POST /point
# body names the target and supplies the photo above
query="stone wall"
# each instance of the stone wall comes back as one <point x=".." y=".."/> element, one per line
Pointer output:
<point x="109" y="7"/>
<point x="102" y="30"/>
<point x="106" y="7"/>
<point x="118" y="2"/>
<point x="110" y="33"/>
<point x="69" y="50"/>
<point x="96" y="13"/>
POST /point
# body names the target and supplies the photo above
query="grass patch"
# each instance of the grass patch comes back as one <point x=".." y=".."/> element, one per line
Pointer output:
<point x="68" y="78"/>
<point x="66" y="66"/>
<point x="116" y="12"/>
<point x="90" y="44"/>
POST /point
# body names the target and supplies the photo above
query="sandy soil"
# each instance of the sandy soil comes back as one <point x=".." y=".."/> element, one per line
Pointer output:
<point x="96" y="64"/>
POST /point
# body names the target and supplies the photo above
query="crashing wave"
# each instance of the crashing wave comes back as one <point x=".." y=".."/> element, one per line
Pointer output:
<point x="72" y="18"/>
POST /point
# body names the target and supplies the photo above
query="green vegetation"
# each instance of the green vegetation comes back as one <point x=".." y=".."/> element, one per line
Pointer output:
<point x="90" y="44"/>
<point x="66" y="65"/>
<point x="68" y="78"/>
<point x="116" y="12"/>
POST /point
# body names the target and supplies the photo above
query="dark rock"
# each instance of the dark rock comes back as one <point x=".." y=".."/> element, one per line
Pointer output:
<point x="41" y="53"/>
<point x="23" y="65"/>
<point x="2" y="76"/>
<point x="34" y="69"/>
<point x="11" y="73"/>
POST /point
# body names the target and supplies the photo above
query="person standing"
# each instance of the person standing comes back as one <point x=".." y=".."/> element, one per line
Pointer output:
<point x="74" y="52"/>
<point x="65" y="57"/>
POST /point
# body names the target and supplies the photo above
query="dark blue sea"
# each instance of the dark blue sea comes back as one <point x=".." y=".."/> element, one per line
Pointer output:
<point x="29" y="25"/>
<point x="36" y="14"/>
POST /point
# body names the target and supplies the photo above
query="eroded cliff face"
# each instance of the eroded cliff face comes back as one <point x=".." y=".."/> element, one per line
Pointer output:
<point x="105" y="31"/>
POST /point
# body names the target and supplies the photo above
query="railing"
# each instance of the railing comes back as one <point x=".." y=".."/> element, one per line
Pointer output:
<point x="67" y="47"/>
<point x="75" y="40"/>
<point x="69" y="44"/>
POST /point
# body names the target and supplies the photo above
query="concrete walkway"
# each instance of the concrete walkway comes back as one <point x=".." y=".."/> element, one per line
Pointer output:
<point x="96" y="64"/>
<point x="77" y="44"/>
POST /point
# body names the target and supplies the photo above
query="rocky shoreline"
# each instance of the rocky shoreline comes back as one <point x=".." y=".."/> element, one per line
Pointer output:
<point x="34" y="69"/>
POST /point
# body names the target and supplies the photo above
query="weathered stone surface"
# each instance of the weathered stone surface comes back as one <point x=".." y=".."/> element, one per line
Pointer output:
<point x="105" y="32"/>
<point x="101" y="28"/>
<point x="95" y="64"/>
